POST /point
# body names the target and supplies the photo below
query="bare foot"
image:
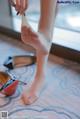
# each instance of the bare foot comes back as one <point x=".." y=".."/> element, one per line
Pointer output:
<point x="33" y="93"/>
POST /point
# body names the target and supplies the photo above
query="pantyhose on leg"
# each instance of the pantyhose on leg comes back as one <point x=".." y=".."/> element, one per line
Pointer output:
<point x="41" y="41"/>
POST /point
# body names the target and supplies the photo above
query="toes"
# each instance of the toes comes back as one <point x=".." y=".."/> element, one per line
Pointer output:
<point x="25" y="31"/>
<point x="28" y="99"/>
<point x="28" y="31"/>
<point x="25" y="99"/>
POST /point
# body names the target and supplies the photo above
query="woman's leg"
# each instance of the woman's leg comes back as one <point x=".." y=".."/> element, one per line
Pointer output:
<point x="35" y="89"/>
<point x="42" y="46"/>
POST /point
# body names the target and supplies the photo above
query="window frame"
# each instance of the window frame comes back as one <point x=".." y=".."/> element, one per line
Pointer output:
<point x="56" y="49"/>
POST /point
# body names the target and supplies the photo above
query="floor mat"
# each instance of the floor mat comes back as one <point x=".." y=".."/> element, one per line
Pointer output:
<point x="60" y="98"/>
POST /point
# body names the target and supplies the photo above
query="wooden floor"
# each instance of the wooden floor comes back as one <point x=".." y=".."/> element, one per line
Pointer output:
<point x="60" y="98"/>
